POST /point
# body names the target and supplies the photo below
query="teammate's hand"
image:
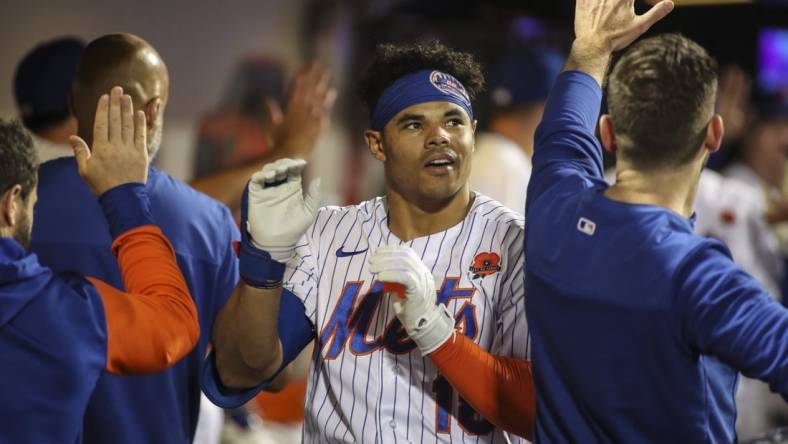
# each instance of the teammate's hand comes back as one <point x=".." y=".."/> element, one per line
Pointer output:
<point x="612" y="24"/>
<point x="605" y="26"/>
<point x="119" y="153"/>
<point x="428" y="325"/>
<point x="306" y="115"/>
<point x="279" y="212"/>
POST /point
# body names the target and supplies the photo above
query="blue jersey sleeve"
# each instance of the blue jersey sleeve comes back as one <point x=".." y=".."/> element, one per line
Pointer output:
<point x="565" y="145"/>
<point x="295" y="332"/>
<point x="727" y="314"/>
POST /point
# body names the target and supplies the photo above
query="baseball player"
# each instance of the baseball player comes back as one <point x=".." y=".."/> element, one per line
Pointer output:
<point x="639" y="326"/>
<point x="164" y="407"/>
<point x="60" y="332"/>
<point x="307" y="273"/>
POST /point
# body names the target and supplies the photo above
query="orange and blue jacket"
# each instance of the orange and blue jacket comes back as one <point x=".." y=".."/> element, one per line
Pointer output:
<point x="59" y="333"/>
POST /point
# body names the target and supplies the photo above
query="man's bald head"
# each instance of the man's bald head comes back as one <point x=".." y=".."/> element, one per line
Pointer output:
<point x="121" y="60"/>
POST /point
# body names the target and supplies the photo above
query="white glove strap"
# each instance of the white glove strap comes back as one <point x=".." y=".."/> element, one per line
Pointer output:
<point x="433" y="329"/>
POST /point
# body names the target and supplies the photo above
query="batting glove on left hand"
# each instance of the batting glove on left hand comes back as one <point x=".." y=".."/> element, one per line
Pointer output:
<point x="279" y="211"/>
<point x="428" y="325"/>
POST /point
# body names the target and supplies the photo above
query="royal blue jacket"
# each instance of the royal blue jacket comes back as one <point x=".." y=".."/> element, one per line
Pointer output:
<point x="639" y="326"/>
<point x="70" y="234"/>
<point x="60" y="333"/>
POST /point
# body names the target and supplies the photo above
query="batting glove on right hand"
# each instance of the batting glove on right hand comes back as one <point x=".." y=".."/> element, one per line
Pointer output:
<point x="279" y="212"/>
<point x="427" y="324"/>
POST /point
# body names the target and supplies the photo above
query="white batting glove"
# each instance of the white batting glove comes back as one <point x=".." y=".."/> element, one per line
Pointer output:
<point x="279" y="211"/>
<point x="428" y="325"/>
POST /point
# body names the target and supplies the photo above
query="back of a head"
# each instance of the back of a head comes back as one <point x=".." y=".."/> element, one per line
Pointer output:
<point x="117" y="60"/>
<point x="661" y="97"/>
<point x="18" y="160"/>
<point x="42" y="82"/>
<point x="391" y="62"/>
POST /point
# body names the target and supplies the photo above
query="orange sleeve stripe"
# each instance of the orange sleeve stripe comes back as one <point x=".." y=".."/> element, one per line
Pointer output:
<point x="499" y="388"/>
<point x="154" y="324"/>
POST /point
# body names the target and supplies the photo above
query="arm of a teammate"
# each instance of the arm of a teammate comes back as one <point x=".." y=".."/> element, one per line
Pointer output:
<point x="565" y="144"/>
<point x="501" y="389"/>
<point x="154" y="323"/>
<point x="727" y="314"/>
<point x="293" y="134"/>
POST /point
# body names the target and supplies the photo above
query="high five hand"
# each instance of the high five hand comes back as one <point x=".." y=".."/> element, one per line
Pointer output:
<point x="605" y="26"/>
<point x="119" y="152"/>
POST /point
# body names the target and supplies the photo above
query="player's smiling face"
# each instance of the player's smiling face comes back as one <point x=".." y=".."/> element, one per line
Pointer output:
<point x="426" y="150"/>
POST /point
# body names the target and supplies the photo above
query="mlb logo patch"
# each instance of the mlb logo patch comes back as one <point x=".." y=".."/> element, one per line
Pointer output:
<point x="586" y="226"/>
<point x="447" y="84"/>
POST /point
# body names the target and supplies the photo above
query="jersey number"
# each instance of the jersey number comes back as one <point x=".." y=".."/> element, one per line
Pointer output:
<point x="469" y="420"/>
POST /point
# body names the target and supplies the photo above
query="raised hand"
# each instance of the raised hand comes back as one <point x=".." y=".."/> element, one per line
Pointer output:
<point x="306" y="115"/>
<point x="119" y="152"/>
<point x="279" y="212"/>
<point x="427" y="324"/>
<point x="605" y="26"/>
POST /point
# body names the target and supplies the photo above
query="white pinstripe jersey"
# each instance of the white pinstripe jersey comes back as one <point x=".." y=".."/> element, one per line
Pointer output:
<point x="368" y="382"/>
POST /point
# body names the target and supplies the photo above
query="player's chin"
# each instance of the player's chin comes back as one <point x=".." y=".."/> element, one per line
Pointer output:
<point x="439" y="190"/>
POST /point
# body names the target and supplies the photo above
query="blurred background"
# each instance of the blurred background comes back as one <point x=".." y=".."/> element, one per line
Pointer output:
<point x="227" y="60"/>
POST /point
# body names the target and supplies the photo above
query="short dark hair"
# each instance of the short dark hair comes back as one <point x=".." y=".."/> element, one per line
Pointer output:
<point x="18" y="159"/>
<point x="661" y="97"/>
<point x="42" y="82"/>
<point x="390" y="62"/>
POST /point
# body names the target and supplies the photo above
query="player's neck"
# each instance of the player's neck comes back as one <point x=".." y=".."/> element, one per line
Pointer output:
<point x="410" y="220"/>
<point x="673" y="189"/>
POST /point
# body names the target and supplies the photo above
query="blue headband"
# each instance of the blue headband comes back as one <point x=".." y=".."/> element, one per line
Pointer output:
<point x="419" y="87"/>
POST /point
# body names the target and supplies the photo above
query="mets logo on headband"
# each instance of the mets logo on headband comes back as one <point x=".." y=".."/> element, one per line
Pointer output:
<point x="485" y="264"/>
<point x="447" y="84"/>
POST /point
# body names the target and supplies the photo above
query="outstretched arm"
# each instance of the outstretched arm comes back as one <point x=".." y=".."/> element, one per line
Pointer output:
<point x="153" y="324"/>
<point x="565" y="146"/>
<point x="294" y="134"/>
<point x="252" y="335"/>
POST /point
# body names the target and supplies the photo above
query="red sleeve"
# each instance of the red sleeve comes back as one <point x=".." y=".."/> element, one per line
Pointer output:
<point x="154" y="324"/>
<point x="500" y="389"/>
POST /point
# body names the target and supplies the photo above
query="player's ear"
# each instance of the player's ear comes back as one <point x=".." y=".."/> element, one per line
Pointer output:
<point x="152" y="110"/>
<point x="715" y="131"/>
<point x="375" y="143"/>
<point x="473" y="125"/>
<point x="10" y="206"/>
<point x="607" y="133"/>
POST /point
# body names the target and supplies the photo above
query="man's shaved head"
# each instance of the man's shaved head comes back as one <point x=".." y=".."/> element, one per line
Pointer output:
<point x="127" y="61"/>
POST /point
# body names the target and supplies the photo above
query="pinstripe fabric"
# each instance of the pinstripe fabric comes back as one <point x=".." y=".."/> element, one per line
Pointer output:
<point x="368" y="382"/>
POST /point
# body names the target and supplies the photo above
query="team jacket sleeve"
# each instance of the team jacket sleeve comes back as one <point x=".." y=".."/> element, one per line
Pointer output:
<point x="499" y="388"/>
<point x="295" y="332"/>
<point x="565" y="145"/>
<point x="727" y="314"/>
<point x="154" y="323"/>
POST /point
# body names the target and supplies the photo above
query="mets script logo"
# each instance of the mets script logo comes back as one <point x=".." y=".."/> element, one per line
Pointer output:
<point x="350" y="322"/>
<point x="449" y="85"/>
<point x="485" y="264"/>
